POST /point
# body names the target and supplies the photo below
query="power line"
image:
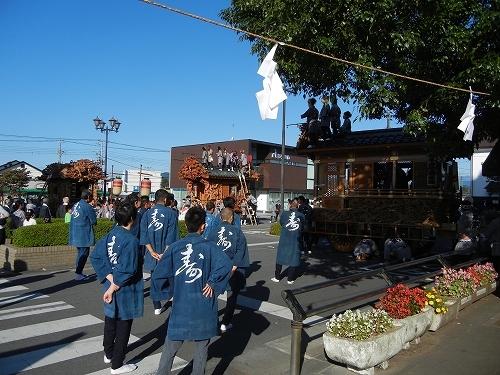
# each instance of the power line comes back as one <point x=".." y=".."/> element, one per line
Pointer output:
<point x="309" y="51"/>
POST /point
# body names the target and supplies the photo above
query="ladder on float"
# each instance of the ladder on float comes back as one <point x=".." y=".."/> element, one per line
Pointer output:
<point x="244" y="189"/>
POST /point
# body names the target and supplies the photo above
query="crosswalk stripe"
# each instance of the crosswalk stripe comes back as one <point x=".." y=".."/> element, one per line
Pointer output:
<point x="19" y="312"/>
<point x="46" y="328"/>
<point x="148" y="365"/>
<point x="51" y="355"/>
<point x="20" y="298"/>
<point x="6" y="286"/>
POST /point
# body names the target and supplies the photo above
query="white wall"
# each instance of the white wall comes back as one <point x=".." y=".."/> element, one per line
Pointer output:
<point x="478" y="182"/>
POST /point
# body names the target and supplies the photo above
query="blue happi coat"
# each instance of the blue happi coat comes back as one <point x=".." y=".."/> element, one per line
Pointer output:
<point x="289" y="247"/>
<point x="81" y="226"/>
<point x="159" y="228"/>
<point x="116" y="253"/>
<point x="182" y="273"/>
<point x="217" y="221"/>
<point x="234" y="244"/>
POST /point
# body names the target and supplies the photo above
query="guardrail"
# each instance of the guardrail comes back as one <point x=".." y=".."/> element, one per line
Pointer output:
<point x="299" y="314"/>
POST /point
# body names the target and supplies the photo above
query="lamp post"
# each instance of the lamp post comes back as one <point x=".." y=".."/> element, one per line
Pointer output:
<point x="99" y="125"/>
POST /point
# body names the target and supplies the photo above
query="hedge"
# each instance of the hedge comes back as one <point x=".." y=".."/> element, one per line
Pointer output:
<point x="275" y="229"/>
<point x="56" y="233"/>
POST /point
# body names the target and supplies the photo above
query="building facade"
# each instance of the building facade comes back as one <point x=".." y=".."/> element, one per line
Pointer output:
<point x="266" y="160"/>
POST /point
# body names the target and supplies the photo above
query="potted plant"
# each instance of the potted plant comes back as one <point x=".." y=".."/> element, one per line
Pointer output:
<point x="408" y="305"/>
<point x="362" y="340"/>
<point x="486" y="276"/>
<point x="444" y="310"/>
<point x="457" y="284"/>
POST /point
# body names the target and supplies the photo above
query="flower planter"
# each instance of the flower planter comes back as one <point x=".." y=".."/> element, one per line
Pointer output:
<point x="463" y="302"/>
<point x="491" y="287"/>
<point x="481" y="292"/>
<point x="440" y="320"/>
<point x="362" y="355"/>
<point x="416" y="325"/>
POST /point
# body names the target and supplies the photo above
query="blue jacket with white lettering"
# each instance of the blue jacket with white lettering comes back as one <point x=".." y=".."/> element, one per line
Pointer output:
<point x="116" y="253"/>
<point x="159" y="228"/>
<point x="182" y="273"/>
<point x="289" y="247"/>
<point x="81" y="226"/>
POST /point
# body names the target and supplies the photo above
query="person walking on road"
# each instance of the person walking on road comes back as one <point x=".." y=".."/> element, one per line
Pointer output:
<point x="81" y="231"/>
<point x="118" y="266"/>
<point x="197" y="271"/>
<point x="289" y="246"/>
<point x="233" y="243"/>
<point x="158" y="230"/>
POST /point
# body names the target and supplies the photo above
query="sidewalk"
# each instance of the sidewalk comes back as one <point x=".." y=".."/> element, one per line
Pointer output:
<point x="468" y="345"/>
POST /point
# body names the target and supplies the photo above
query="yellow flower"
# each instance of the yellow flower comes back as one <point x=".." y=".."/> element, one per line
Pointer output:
<point x="426" y="303"/>
<point x="439" y="300"/>
<point x="431" y="303"/>
<point x="438" y="310"/>
<point x="428" y="295"/>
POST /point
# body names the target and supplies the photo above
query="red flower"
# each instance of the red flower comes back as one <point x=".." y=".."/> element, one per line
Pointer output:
<point x="401" y="301"/>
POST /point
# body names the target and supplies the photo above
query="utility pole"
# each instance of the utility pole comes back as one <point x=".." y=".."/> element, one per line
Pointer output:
<point x="60" y="152"/>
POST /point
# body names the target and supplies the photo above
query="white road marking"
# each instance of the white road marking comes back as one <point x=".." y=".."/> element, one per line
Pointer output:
<point x="32" y="310"/>
<point x="46" y="328"/>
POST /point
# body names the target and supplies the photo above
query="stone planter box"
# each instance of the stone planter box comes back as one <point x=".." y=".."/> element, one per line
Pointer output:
<point x="491" y="287"/>
<point x="416" y="325"/>
<point x="463" y="302"/>
<point x="481" y="292"/>
<point x="361" y="356"/>
<point x="440" y="320"/>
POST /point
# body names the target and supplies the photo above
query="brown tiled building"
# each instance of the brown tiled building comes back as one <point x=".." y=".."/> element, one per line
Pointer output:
<point x="266" y="160"/>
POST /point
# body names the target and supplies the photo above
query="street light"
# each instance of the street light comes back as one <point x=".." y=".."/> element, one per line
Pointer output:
<point x="99" y="125"/>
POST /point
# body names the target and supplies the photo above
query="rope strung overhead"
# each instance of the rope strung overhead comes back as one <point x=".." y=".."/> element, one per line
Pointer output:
<point x="274" y="41"/>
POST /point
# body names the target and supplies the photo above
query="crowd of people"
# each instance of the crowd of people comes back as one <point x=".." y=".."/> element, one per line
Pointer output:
<point x="223" y="159"/>
<point x="324" y="124"/>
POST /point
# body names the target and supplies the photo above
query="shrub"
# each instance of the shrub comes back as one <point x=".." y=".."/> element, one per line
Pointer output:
<point x="56" y="233"/>
<point x="484" y="273"/>
<point x="275" y="229"/>
<point x="456" y="283"/>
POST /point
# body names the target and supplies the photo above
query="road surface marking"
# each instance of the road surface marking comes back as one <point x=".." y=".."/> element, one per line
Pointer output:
<point x="19" y="312"/>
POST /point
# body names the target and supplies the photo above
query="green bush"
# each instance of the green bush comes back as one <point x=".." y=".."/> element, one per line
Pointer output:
<point x="182" y="229"/>
<point x="275" y="229"/>
<point x="56" y="233"/>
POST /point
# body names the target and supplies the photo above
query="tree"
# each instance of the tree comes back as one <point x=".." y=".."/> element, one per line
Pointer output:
<point x="14" y="180"/>
<point x="454" y="43"/>
<point x="165" y="184"/>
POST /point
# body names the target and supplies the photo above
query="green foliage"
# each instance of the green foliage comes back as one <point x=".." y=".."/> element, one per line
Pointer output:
<point x="275" y="229"/>
<point x="56" y="233"/>
<point x="182" y="229"/>
<point x="15" y="179"/>
<point x="454" y="43"/>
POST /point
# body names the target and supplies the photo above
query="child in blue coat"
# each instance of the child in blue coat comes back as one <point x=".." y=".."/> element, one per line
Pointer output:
<point x="193" y="271"/>
<point x="116" y="261"/>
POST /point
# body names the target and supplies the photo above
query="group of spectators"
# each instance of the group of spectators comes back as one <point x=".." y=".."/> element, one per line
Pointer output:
<point x="322" y="125"/>
<point x="223" y="159"/>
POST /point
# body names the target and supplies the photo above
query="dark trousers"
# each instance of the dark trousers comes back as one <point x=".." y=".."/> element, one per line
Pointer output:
<point x="156" y="304"/>
<point x="81" y="258"/>
<point x="116" y="336"/>
<point x="290" y="273"/>
<point x="2" y="236"/>
<point x="170" y="349"/>
<point x="236" y="282"/>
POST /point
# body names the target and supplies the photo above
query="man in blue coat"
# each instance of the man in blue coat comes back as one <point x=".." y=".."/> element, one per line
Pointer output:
<point x="227" y="202"/>
<point x="289" y="246"/>
<point x="159" y="229"/>
<point x="81" y="231"/>
<point x="193" y="271"/>
<point x="231" y="241"/>
<point x="118" y="266"/>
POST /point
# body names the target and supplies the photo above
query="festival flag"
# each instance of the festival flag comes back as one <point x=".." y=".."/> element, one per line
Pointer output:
<point x="272" y="94"/>
<point x="467" y="120"/>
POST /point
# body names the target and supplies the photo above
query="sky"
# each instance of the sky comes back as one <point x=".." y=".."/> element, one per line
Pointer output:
<point x="170" y="80"/>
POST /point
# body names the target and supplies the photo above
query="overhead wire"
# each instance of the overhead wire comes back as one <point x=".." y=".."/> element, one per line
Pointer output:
<point x="310" y="51"/>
